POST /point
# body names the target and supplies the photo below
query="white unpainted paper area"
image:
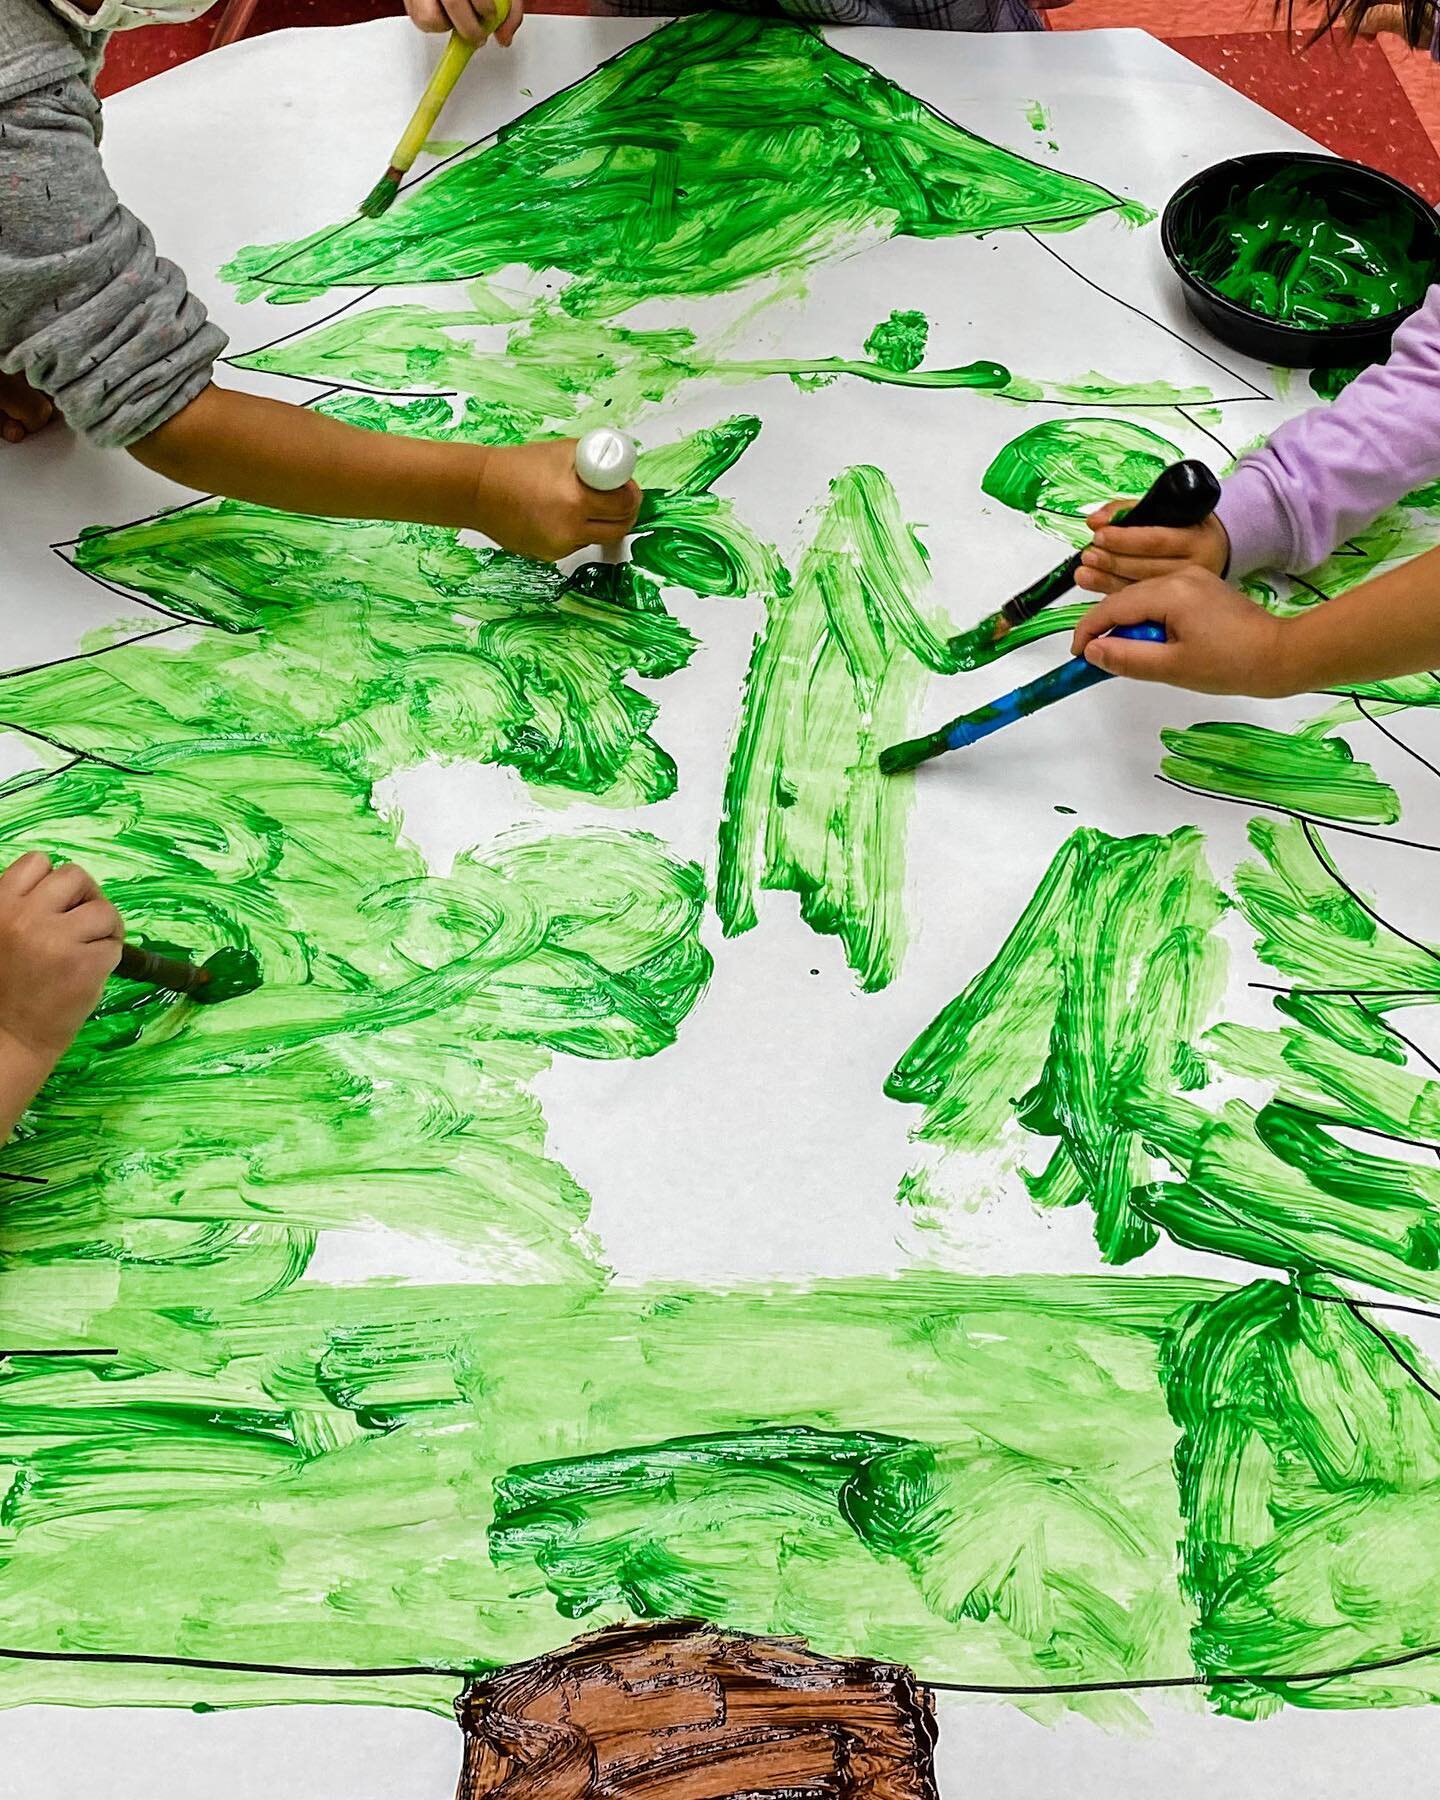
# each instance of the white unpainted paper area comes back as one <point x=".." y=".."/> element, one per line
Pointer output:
<point x="759" y="1147"/>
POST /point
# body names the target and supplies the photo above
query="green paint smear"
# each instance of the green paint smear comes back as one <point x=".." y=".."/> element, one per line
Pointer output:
<point x="970" y="1476"/>
<point x="1308" y="1464"/>
<point x="558" y="374"/>
<point x="1293" y="769"/>
<point x="1282" y="250"/>
<point x="1088" y="1011"/>
<point x="1036" y="116"/>
<point x="899" y="341"/>
<point x="834" y="677"/>
<point x="1328" y="384"/>
<point x="638" y="198"/>
<point x="1064" y="468"/>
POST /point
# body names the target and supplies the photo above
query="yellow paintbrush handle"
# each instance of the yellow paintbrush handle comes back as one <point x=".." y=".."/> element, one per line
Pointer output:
<point x="438" y="90"/>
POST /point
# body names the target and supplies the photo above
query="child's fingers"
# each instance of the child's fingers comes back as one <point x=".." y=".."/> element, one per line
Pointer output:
<point x="429" y="15"/>
<point x="620" y="503"/>
<point x="67" y="886"/>
<point x="1130" y="568"/>
<point x="472" y="22"/>
<point x="507" y="31"/>
<point x="1096" y="581"/>
<point x="1103" y="515"/>
<point x="1133" y="658"/>
<point x="1121" y="608"/>
<point x="24" y="875"/>
<point x="1158" y="542"/>
<point x="96" y="921"/>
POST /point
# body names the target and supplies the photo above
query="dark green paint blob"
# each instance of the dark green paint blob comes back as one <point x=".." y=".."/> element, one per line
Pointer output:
<point x="769" y="152"/>
<point x="1284" y="250"/>
<point x="1329" y="383"/>
<point x="833" y="679"/>
<point x="899" y="342"/>
<point x="1088" y="1010"/>
<point x="232" y="973"/>
<point x="1294" y="769"/>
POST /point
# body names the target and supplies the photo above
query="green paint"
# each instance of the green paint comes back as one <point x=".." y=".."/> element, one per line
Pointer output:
<point x="1284" y="250"/>
<point x="1329" y="383"/>
<point x="699" y="196"/>
<point x="558" y="374"/>
<point x="972" y="1476"/>
<point x="834" y="677"/>
<point x="1293" y="769"/>
<point x="1087" y="1011"/>
<point x="1037" y="116"/>
<point x="1307" y="1463"/>
<point x="439" y="147"/>
<point x="1064" y="468"/>
<point x="899" y="341"/>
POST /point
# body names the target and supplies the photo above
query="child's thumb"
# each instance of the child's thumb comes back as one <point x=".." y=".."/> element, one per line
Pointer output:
<point x="1131" y="657"/>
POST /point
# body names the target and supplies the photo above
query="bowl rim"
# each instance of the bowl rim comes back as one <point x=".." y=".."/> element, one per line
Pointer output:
<point x="1355" y="331"/>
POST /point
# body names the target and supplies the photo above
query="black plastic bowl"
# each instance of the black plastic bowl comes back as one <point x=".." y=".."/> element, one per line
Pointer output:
<point x="1355" y="197"/>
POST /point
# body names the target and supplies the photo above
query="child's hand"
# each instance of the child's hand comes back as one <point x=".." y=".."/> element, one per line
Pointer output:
<point x="23" y="411"/>
<point x="473" y="19"/>
<point x="530" y="500"/>
<point x="1121" y="554"/>
<point x="59" y="938"/>
<point x="1219" y="642"/>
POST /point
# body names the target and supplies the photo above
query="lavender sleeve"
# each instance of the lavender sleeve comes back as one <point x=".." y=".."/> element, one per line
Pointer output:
<point x="1333" y="470"/>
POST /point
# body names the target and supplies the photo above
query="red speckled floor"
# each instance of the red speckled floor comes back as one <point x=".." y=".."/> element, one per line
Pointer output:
<point x="1375" y="101"/>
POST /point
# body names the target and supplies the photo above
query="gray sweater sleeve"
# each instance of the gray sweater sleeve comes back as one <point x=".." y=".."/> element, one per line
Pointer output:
<point x="89" y="313"/>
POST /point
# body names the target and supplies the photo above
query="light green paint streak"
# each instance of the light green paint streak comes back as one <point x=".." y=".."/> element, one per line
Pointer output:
<point x="1064" y="468"/>
<point x="834" y="677"/>
<point x="771" y="151"/>
<point x="1294" y="769"/>
<point x="1087" y="1011"/>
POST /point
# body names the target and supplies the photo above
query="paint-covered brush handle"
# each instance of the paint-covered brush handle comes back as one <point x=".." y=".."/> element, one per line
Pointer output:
<point x="1071" y="677"/>
<point x="161" y="971"/>
<point x="1183" y="495"/>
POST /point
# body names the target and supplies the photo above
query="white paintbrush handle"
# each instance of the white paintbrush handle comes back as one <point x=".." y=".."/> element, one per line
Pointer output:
<point x="605" y="460"/>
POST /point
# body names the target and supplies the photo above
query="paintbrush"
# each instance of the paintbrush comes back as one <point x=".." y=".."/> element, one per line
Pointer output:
<point x="1072" y="677"/>
<point x="223" y="976"/>
<point x="438" y="89"/>
<point x="1183" y="495"/>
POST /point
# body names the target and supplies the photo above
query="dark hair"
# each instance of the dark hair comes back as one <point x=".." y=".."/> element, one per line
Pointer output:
<point x="1417" y="18"/>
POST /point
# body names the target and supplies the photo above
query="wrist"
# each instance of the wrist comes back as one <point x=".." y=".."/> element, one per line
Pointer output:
<point x="1298" y="658"/>
<point x="23" y="1060"/>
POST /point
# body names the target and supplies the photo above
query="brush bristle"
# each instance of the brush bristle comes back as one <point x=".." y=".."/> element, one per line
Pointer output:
<point x="381" y="197"/>
<point x="900" y="757"/>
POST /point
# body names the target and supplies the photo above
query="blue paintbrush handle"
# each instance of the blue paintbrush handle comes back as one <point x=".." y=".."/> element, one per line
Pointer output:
<point x="1072" y="677"/>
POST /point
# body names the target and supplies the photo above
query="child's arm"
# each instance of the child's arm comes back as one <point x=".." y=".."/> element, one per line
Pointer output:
<point x="59" y="938"/>
<point x="526" y="497"/>
<point x="1218" y="642"/>
<point x="92" y="317"/>
<point x="1320" y="478"/>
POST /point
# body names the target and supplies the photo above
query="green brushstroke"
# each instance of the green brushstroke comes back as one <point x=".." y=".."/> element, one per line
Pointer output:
<point x="1064" y="468"/>
<point x="1307" y="1463"/>
<point x="1037" y="116"/>
<point x="1087" y="1012"/>
<point x="834" y="677"/>
<point x="1329" y="383"/>
<point x="971" y="1476"/>
<point x="771" y="151"/>
<point x="1281" y="249"/>
<point x="1294" y="769"/>
<point x="555" y="373"/>
<point x="899" y="341"/>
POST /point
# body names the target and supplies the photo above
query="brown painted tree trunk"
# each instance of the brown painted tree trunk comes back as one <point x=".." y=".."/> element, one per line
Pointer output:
<point x="682" y="1710"/>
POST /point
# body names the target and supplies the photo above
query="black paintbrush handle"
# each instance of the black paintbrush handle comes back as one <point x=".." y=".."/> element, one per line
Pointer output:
<point x="161" y="971"/>
<point x="1185" y="494"/>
